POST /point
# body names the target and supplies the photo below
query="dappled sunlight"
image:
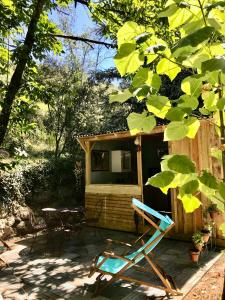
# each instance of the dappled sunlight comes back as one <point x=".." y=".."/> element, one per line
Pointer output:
<point x="42" y="274"/>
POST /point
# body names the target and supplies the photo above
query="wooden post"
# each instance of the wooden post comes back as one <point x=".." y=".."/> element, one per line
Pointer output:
<point x="139" y="172"/>
<point x="88" y="163"/>
<point x="139" y="161"/>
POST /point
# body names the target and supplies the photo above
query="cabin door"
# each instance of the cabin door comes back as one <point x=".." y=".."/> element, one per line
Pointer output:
<point x="153" y="148"/>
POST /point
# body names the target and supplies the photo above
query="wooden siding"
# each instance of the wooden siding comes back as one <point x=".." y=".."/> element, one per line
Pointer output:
<point x="198" y="149"/>
<point x="111" y="204"/>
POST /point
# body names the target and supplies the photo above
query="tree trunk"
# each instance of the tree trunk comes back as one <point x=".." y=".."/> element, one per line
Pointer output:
<point x="16" y="79"/>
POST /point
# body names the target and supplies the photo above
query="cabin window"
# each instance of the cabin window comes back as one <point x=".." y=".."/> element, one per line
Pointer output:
<point x="114" y="162"/>
<point x="100" y="160"/>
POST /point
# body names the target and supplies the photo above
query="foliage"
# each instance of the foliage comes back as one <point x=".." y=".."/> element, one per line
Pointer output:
<point x="29" y="179"/>
<point x="197" y="238"/>
<point x="201" y="25"/>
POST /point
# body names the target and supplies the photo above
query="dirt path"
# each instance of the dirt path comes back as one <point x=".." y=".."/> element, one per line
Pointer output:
<point x="211" y="286"/>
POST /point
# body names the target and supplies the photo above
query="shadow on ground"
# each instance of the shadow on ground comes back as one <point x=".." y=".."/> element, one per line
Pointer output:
<point x="58" y="267"/>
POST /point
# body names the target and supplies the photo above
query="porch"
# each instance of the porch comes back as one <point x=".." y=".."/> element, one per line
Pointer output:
<point x="60" y="271"/>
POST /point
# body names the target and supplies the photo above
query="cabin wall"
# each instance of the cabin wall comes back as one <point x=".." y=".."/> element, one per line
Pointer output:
<point x="198" y="149"/>
<point x="111" y="205"/>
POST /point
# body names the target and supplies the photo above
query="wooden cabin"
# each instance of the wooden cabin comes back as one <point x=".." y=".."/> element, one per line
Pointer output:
<point x="118" y="166"/>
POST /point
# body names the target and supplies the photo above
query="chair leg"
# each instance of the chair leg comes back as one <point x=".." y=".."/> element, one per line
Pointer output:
<point x="163" y="277"/>
<point x="98" y="289"/>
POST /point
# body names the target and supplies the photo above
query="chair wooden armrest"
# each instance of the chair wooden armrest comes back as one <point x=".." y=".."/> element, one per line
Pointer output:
<point x="113" y="255"/>
<point x="110" y="241"/>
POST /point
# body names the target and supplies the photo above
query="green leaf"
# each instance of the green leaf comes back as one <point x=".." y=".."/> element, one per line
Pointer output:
<point x="214" y="64"/>
<point x="175" y="131"/>
<point x="145" y="76"/>
<point x="175" y="114"/>
<point x="127" y="59"/>
<point x="193" y="126"/>
<point x="189" y="187"/>
<point x="168" y="67"/>
<point x="161" y="179"/>
<point x="222" y="190"/>
<point x="158" y="105"/>
<point x="120" y="97"/>
<point x="142" y="92"/>
<point x="190" y="203"/>
<point x="209" y="180"/>
<point x="180" y="17"/>
<point x="181" y="164"/>
<point x="128" y="32"/>
<point x="204" y="111"/>
<point x="222" y="228"/>
<point x="193" y="40"/>
<point x="168" y="11"/>
<point x="140" y="123"/>
<point x="210" y="100"/>
<point x="191" y="85"/>
<point x="221" y="103"/>
<point x="187" y="101"/>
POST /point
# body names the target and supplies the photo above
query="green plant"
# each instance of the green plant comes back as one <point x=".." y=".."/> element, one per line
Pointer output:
<point x="197" y="238"/>
<point x="200" y="50"/>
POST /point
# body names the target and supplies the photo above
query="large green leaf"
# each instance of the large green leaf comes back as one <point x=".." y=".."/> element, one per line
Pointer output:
<point x="192" y="85"/>
<point x="189" y="187"/>
<point x="190" y="202"/>
<point x="209" y="180"/>
<point x="146" y="76"/>
<point x="127" y="59"/>
<point x="193" y="125"/>
<point x="168" y="67"/>
<point x="189" y="102"/>
<point x="158" y="105"/>
<point x="192" y="41"/>
<point x="140" y="123"/>
<point x="221" y="104"/>
<point x="120" y="97"/>
<point x="214" y="64"/>
<point x="161" y="179"/>
<point x="175" y="114"/>
<point x="210" y="100"/>
<point x="128" y="32"/>
<point x="142" y="92"/>
<point x="176" y="130"/>
<point x="181" y="164"/>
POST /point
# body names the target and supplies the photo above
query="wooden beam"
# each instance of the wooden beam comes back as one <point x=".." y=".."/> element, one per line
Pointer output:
<point x="88" y="163"/>
<point x="82" y="144"/>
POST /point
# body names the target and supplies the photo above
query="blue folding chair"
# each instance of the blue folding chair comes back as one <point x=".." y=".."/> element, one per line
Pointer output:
<point x="109" y="263"/>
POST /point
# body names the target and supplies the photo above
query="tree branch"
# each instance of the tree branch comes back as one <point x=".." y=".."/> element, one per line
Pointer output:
<point x="87" y="41"/>
<point x="81" y="2"/>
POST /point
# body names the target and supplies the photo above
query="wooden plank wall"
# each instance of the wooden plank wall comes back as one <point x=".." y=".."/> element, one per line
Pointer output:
<point x="198" y="149"/>
<point x="112" y="209"/>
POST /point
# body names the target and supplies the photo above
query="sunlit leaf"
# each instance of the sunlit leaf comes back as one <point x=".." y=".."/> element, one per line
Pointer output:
<point x="190" y="202"/>
<point x="193" y="126"/>
<point x="120" y="97"/>
<point x="127" y="59"/>
<point x="176" y="130"/>
<point x="161" y="179"/>
<point x="158" y="105"/>
<point x="181" y="164"/>
<point x="168" y="67"/>
<point x="140" y="123"/>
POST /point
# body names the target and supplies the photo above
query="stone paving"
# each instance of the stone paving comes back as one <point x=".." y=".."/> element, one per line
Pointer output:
<point x="58" y="268"/>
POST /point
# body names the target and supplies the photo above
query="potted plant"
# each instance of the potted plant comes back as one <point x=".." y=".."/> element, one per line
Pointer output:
<point x="206" y="233"/>
<point x="198" y="240"/>
<point x="213" y="211"/>
<point x="194" y="254"/>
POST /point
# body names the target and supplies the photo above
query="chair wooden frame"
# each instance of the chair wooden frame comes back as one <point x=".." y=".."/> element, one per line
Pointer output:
<point x="168" y="285"/>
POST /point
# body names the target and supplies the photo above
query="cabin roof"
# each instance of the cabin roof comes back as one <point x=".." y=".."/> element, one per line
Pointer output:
<point x="119" y="134"/>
